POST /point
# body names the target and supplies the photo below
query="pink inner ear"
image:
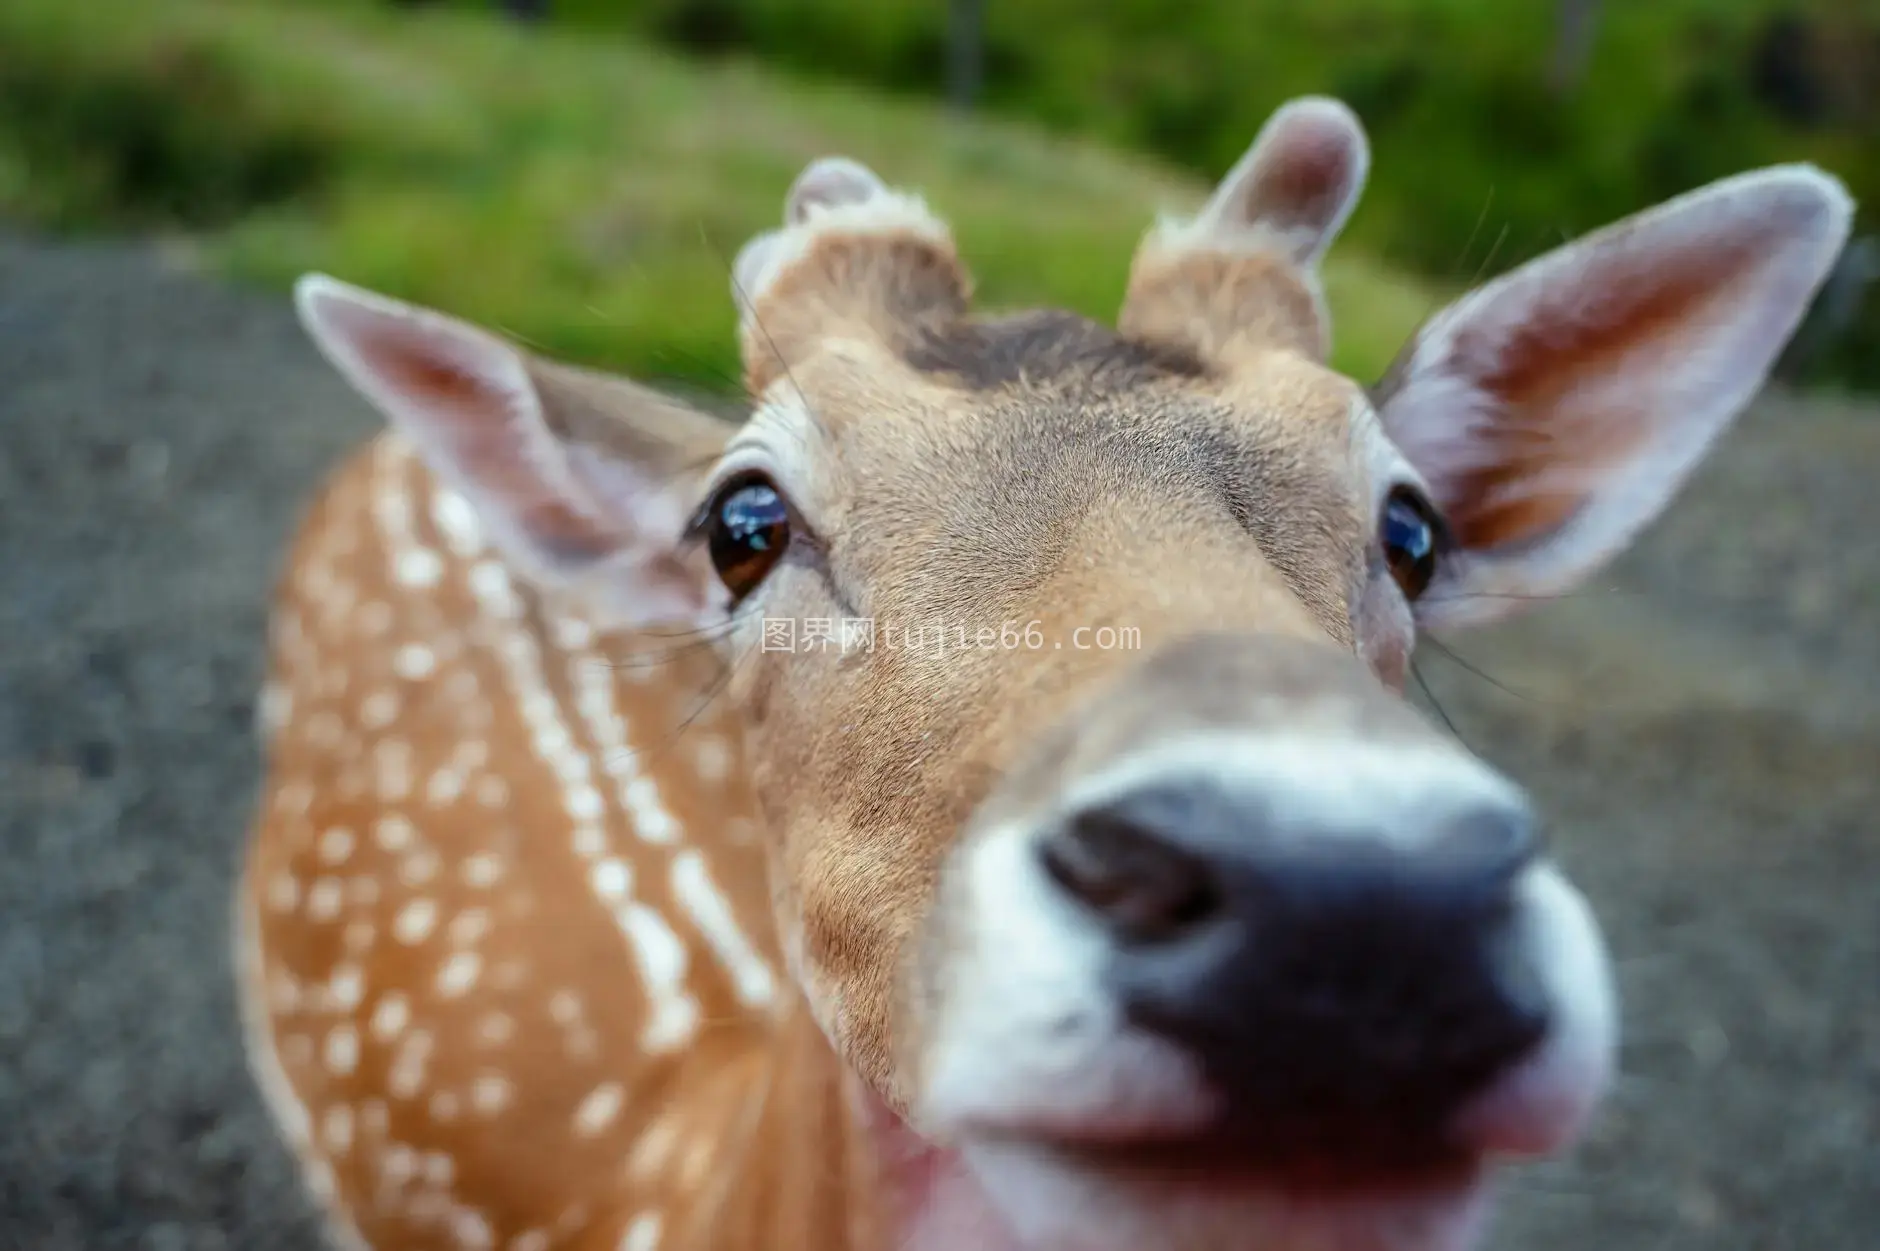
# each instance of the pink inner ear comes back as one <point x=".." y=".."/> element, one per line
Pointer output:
<point x="1305" y="179"/>
<point x="487" y="431"/>
<point x="1572" y="382"/>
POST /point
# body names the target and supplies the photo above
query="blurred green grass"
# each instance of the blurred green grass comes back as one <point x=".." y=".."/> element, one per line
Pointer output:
<point x="585" y="196"/>
<point x="1480" y="163"/>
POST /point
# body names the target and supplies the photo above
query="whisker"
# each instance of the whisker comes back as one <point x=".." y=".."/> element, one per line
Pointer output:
<point x="1477" y="230"/>
<point x="744" y="299"/>
<point x="1459" y="661"/>
<point x="1435" y="703"/>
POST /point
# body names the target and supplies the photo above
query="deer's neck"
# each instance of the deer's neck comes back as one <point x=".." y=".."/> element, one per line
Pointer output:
<point x="823" y="1163"/>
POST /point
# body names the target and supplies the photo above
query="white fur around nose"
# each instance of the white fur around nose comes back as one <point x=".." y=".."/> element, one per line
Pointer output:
<point x="1026" y="1045"/>
<point x="1338" y="785"/>
<point x="1028" y="1036"/>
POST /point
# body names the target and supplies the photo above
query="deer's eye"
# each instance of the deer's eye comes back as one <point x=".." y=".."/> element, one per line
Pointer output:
<point x="1411" y="535"/>
<point x="747" y="528"/>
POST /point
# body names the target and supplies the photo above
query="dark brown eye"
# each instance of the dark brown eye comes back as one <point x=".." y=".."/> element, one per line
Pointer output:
<point x="1410" y="535"/>
<point x="747" y="528"/>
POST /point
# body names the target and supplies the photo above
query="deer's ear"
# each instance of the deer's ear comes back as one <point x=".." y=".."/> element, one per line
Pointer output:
<point x="1555" y="411"/>
<point x="575" y="477"/>
<point x="1297" y="184"/>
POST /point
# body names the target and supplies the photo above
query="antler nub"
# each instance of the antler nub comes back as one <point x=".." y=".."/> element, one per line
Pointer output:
<point x="1240" y="277"/>
<point x="853" y="258"/>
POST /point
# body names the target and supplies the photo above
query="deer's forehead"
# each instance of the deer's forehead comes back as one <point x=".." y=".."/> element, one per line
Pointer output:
<point x="990" y="421"/>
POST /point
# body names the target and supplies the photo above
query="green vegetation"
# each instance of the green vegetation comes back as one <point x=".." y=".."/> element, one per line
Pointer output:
<point x="1478" y="160"/>
<point x="584" y="195"/>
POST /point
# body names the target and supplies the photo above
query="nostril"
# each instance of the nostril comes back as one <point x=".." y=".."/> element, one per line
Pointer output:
<point x="1141" y="884"/>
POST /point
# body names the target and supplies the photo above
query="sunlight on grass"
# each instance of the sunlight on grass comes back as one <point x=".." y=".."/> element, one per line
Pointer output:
<point x="583" y="195"/>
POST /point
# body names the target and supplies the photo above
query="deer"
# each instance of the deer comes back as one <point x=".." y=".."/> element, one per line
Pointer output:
<point x="583" y="910"/>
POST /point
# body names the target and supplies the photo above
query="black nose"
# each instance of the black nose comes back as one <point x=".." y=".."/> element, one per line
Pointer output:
<point x="1341" y="987"/>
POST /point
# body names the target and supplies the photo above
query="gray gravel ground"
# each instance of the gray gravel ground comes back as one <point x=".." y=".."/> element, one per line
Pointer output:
<point x="1704" y="727"/>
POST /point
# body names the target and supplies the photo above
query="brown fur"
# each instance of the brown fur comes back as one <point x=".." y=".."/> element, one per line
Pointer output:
<point x="993" y="473"/>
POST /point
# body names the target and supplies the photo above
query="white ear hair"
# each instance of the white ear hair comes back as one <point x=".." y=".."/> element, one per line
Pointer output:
<point x="1556" y="410"/>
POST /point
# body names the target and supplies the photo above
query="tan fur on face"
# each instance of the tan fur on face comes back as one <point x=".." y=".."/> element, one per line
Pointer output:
<point x="1034" y="469"/>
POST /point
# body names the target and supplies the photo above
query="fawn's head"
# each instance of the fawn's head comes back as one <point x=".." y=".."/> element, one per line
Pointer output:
<point x="1107" y="852"/>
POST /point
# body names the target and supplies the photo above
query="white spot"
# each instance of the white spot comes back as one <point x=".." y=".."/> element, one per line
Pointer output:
<point x="712" y="758"/>
<point x="462" y="685"/>
<point x="489" y="1094"/>
<point x="444" y="787"/>
<point x="323" y="901"/>
<point x="489" y="582"/>
<point x="642" y="1234"/>
<point x="391" y="1016"/>
<point x="347" y="987"/>
<point x="611" y="880"/>
<point x="589" y="841"/>
<point x="483" y="870"/>
<point x="651" y="821"/>
<point x="584" y="803"/>
<point x="443" y="1106"/>
<point x="492" y="791"/>
<point x="419" y="867"/>
<point x="419" y="566"/>
<point x="529" y="1240"/>
<point x="457" y="522"/>
<point x="459" y="974"/>
<point x="275" y="707"/>
<point x="572" y="633"/>
<point x="469" y="925"/>
<point x="582" y="1043"/>
<point x="414" y="662"/>
<point x="496" y="1028"/>
<point x="293" y="799"/>
<point x="406" y="1077"/>
<point x="342" y="1050"/>
<point x="336" y="845"/>
<point x="337" y="1129"/>
<point x="319" y="1177"/>
<point x="414" y="921"/>
<point x="439" y="1169"/>
<point x="662" y="961"/>
<point x="564" y="1006"/>
<point x="472" y="1231"/>
<point x="380" y="709"/>
<point x="598" y="1109"/>
<point x="695" y="891"/>
<point x="394" y="832"/>
<point x="283" y="893"/>
<point x="398" y="1164"/>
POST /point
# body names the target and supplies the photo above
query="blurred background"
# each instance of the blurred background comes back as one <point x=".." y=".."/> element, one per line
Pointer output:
<point x="1704" y="724"/>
